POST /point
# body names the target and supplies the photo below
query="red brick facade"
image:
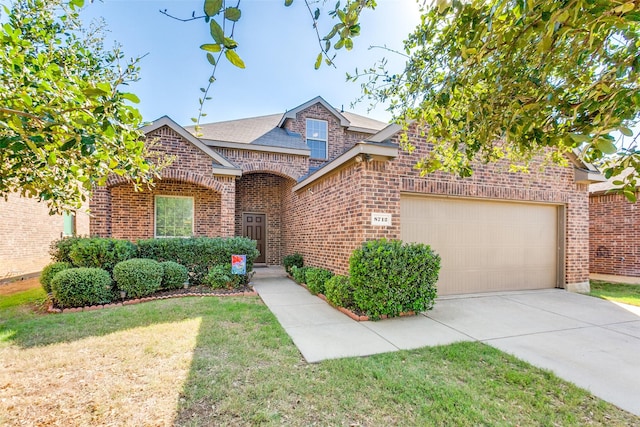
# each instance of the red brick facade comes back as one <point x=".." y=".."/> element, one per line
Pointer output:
<point x="328" y="218"/>
<point x="614" y="230"/>
<point x="334" y="214"/>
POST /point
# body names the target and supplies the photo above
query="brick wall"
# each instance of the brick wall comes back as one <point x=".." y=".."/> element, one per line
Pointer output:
<point x="133" y="214"/>
<point x="614" y="231"/>
<point x="287" y="165"/>
<point x="27" y="230"/>
<point x="120" y="212"/>
<point x="332" y="216"/>
<point x="339" y="139"/>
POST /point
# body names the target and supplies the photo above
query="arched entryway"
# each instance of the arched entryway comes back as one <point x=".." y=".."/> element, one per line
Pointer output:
<point x="260" y="214"/>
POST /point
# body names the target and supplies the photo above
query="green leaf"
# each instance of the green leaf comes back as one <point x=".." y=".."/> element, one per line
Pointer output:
<point x="131" y="97"/>
<point x="288" y="2"/>
<point x="626" y="131"/>
<point x="233" y="57"/>
<point x="209" y="47"/>
<point x="212" y="7"/>
<point x="606" y="146"/>
<point x="216" y="31"/>
<point x="232" y="14"/>
<point x="580" y="138"/>
<point x="318" y="61"/>
<point x="211" y="59"/>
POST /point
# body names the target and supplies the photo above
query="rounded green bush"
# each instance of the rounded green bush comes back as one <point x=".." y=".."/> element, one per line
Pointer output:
<point x="138" y="277"/>
<point x="293" y="260"/>
<point x="316" y="279"/>
<point x="299" y="274"/>
<point x="49" y="272"/>
<point x="390" y="277"/>
<point x="174" y="275"/>
<point x="220" y="277"/>
<point x="339" y="291"/>
<point x="79" y="287"/>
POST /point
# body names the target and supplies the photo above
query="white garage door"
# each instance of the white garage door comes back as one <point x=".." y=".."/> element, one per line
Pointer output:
<point x="485" y="246"/>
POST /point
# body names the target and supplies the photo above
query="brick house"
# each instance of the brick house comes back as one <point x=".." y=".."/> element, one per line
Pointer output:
<point x="319" y="181"/>
<point x="614" y="230"/>
<point x="27" y="230"/>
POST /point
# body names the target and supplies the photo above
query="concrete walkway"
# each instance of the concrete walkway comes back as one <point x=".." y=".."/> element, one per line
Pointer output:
<point x="590" y="342"/>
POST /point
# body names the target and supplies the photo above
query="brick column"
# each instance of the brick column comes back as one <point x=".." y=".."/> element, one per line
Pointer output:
<point x="100" y="209"/>
<point x="228" y="208"/>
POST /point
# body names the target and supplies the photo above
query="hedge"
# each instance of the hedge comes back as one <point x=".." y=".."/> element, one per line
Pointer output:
<point x="299" y="274"/>
<point x="316" y="278"/>
<point x="138" y="277"/>
<point x="97" y="252"/>
<point x="78" y="287"/>
<point x="199" y="254"/>
<point x="339" y="291"/>
<point x="390" y="277"/>
<point x="220" y="277"/>
<point x="49" y="272"/>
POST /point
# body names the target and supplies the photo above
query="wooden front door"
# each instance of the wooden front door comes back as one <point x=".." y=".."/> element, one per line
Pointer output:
<point x="254" y="226"/>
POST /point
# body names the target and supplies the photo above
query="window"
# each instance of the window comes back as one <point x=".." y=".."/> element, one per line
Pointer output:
<point x="317" y="138"/>
<point x="68" y="224"/>
<point x="174" y="216"/>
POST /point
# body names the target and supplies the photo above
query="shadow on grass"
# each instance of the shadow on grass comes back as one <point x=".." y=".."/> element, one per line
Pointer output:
<point x="34" y="331"/>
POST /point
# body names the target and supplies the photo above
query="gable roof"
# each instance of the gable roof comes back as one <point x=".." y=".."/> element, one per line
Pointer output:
<point x="225" y="166"/>
<point x="268" y="131"/>
<point x="607" y="185"/>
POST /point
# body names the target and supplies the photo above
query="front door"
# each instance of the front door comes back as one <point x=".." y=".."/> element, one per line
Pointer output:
<point x="254" y="226"/>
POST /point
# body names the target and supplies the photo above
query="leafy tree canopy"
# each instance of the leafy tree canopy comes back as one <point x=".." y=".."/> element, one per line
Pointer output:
<point x="65" y="123"/>
<point x="486" y="80"/>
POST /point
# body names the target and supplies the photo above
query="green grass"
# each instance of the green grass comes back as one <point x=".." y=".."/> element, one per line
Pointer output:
<point x="628" y="294"/>
<point x="246" y="371"/>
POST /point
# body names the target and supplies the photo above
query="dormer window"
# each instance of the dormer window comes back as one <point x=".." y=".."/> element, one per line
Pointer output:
<point x="317" y="138"/>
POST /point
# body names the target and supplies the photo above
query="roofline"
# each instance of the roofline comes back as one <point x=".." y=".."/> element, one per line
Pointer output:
<point x="291" y="114"/>
<point x="386" y="133"/>
<point x="584" y="176"/>
<point x="387" y="150"/>
<point x="167" y="121"/>
<point x="255" y="147"/>
<point x="362" y="130"/>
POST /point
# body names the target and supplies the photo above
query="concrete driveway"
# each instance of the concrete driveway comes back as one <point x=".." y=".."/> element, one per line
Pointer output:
<point x="591" y="342"/>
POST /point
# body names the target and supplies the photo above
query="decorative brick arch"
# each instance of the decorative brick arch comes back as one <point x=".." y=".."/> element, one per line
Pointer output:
<point x="270" y="168"/>
<point x="177" y="175"/>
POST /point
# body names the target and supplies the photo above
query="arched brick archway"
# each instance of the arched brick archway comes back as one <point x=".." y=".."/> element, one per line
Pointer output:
<point x="283" y="171"/>
<point x="176" y="175"/>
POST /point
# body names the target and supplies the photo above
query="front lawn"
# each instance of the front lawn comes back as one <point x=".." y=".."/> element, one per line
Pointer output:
<point x="628" y="294"/>
<point x="226" y="361"/>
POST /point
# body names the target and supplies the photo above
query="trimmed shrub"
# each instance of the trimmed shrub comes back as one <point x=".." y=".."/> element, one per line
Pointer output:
<point x="299" y="274"/>
<point x="49" y="272"/>
<point x="292" y="260"/>
<point x="339" y="291"/>
<point x="220" y="277"/>
<point x="138" y="277"/>
<point x="199" y="254"/>
<point x="174" y="275"/>
<point x="390" y="277"/>
<point x="60" y="249"/>
<point x="78" y="287"/>
<point x="94" y="252"/>
<point x="316" y="278"/>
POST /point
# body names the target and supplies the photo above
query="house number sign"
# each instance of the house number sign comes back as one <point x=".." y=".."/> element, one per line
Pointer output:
<point x="381" y="219"/>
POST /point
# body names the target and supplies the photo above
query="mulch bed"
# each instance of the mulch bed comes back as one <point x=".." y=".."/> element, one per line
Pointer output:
<point x="191" y="291"/>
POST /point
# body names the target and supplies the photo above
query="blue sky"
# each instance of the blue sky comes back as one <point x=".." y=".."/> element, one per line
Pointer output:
<point x="277" y="44"/>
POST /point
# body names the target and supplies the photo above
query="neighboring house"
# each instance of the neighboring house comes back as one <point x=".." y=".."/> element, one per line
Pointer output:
<point x="614" y="230"/>
<point x="26" y="232"/>
<point x="319" y="181"/>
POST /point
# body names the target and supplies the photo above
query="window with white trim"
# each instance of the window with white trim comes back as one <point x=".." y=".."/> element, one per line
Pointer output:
<point x="317" y="138"/>
<point x="173" y="216"/>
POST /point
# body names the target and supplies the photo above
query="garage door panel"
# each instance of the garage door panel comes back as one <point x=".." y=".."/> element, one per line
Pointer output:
<point x="485" y="245"/>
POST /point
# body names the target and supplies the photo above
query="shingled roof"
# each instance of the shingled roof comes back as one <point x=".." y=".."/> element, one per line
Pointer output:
<point x="269" y="130"/>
